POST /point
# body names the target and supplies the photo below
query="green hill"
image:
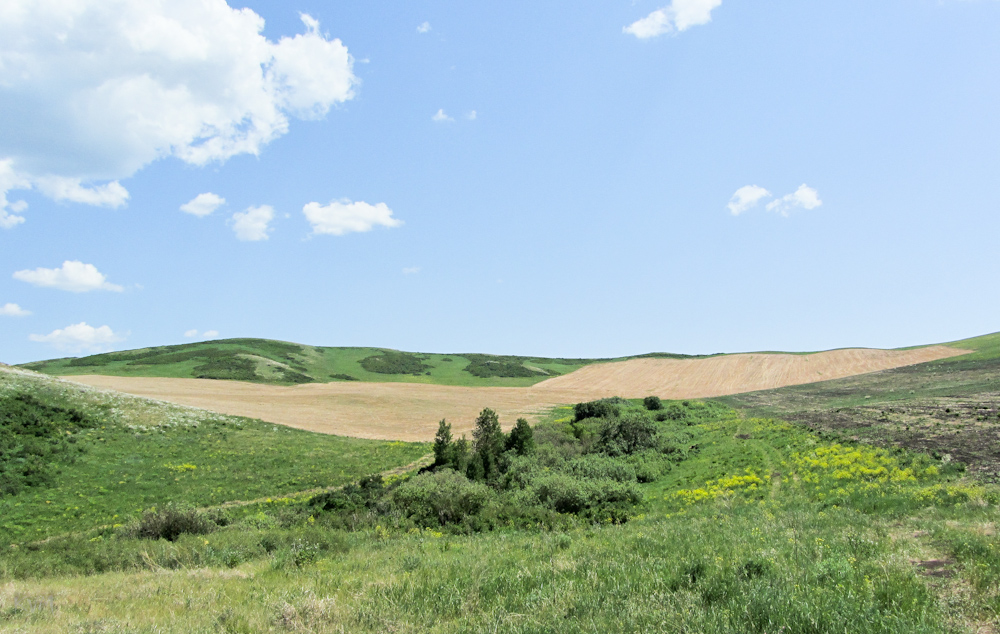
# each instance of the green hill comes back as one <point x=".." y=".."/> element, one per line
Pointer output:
<point x="279" y="362"/>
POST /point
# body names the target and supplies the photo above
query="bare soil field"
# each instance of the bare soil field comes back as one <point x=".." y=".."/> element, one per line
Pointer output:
<point x="736" y="373"/>
<point x="408" y="411"/>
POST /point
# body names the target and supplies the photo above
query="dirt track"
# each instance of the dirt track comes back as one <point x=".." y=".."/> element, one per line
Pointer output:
<point x="409" y="411"/>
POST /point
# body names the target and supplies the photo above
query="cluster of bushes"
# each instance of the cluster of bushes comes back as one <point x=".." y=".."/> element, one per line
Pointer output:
<point x="551" y="475"/>
<point x="486" y="366"/>
<point x="33" y="436"/>
<point x="229" y="367"/>
<point x="390" y="362"/>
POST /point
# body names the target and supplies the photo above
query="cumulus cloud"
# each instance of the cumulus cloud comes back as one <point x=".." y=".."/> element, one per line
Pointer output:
<point x="471" y="116"/>
<point x="80" y="337"/>
<point x="253" y="224"/>
<point x="679" y="16"/>
<point x="424" y="27"/>
<point x="344" y="216"/>
<point x="73" y="276"/>
<point x="746" y="198"/>
<point x="203" y="204"/>
<point x="191" y="333"/>
<point x="441" y="116"/>
<point x="13" y="310"/>
<point x="804" y="197"/>
<point x="210" y="334"/>
<point x="93" y="90"/>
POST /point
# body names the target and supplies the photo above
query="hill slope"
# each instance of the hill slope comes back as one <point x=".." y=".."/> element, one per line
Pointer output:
<point x="283" y="363"/>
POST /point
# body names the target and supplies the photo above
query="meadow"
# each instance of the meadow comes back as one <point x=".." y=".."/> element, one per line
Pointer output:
<point x="762" y="526"/>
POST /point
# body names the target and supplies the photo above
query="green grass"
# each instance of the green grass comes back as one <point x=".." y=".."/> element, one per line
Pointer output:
<point x="144" y="453"/>
<point x="286" y="363"/>
<point x="778" y="559"/>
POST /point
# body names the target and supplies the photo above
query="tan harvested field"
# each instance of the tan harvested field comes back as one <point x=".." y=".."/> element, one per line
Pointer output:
<point x="411" y="411"/>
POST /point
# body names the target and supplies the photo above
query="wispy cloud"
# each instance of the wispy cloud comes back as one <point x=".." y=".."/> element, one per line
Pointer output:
<point x="804" y="197"/>
<point x="411" y="270"/>
<point x="440" y="116"/>
<point x="80" y="337"/>
<point x="424" y="27"/>
<point x="679" y="16"/>
<point x="73" y="276"/>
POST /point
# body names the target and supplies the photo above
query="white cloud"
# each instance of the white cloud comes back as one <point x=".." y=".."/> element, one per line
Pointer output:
<point x="73" y="276"/>
<point x="441" y="116"/>
<point x="471" y="116"/>
<point x="804" y="197"/>
<point x="93" y="90"/>
<point x="80" y="338"/>
<point x="679" y="16"/>
<point x="344" y="216"/>
<point x="13" y="310"/>
<point x="9" y="211"/>
<point x="746" y="198"/>
<point x="203" y="204"/>
<point x="254" y="223"/>
<point x="208" y="334"/>
<point x="411" y="270"/>
<point x="424" y="28"/>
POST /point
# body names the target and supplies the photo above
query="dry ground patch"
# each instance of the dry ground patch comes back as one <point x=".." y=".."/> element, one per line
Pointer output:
<point x="410" y="411"/>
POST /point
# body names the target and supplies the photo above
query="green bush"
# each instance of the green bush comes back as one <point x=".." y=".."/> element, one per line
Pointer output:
<point x="627" y="434"/>
<point x="230" y="368"/>
<point x="439" y="498"/>
<point x="603" y="408"/>
<point x="652" y="403"/>
<point x="344" y="377"/>
<point x="390" y="362"/>
<point x="486" y="366"/>
<point x="171" y="522"/>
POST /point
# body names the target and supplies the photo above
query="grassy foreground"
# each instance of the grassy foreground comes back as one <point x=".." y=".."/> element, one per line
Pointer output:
<point x="765" y="527"/>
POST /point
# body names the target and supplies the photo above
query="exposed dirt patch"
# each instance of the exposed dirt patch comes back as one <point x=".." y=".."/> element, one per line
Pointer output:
<point x="409" y="411"/>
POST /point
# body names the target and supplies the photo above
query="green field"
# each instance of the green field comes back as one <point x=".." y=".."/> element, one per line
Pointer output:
<point x="760" y="525"/>
<point x="267" y="361"/>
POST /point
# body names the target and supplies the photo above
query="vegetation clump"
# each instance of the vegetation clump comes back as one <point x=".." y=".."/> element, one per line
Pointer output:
<point x="487" y="366"/>
<point x="390" y="362"/>
<point x="33" y="437"/>
<point x="170" y="523"/>
<point x="528" y="476"/>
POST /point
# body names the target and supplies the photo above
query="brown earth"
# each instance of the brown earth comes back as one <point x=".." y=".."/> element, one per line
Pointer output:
<point x="410" y="411"/>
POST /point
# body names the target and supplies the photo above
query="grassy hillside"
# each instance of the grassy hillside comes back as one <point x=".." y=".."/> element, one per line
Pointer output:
<point x="267" y="361"/>
<point x="121" y="455"/>
<point x="759" y="525"/>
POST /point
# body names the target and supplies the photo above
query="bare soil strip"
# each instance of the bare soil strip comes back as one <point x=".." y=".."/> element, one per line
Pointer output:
<point x="410" y="411"/>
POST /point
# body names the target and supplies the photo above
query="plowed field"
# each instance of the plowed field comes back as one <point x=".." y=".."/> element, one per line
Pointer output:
<point x="408" y="411"/>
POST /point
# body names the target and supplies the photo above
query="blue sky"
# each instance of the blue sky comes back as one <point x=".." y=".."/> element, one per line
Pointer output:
<point x="552" y="180"/>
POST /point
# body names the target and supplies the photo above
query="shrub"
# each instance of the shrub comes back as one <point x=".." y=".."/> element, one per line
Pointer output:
<point x="521" y="439"/>
<point x="603" y="408"/>
<point x="171" y="522"/>
<point x="487" y="366"/>
<point x="390" y="362"/>
<point x="652" y="403"/>
<point x="344" y="377"/>
<point x="440" y="498"/>
<point x="627" y="434"/>
<point x="675" y="412"/>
